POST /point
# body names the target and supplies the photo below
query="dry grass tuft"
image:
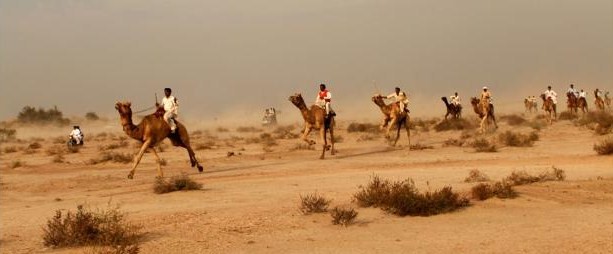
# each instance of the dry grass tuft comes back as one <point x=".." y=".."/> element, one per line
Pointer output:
<point x="476" y="176"/>
<point x="537" y="125"/>
<point x="222" y="129"/>
<point x="522" y="177"/>
<point x="510" y="138"/>
<point x="10" y="149"/>
<point x="7" y="134"/>
<point x="485" y="191"/>
<point x="483" y="145"/>
<point x="343" y="216"/>
<point x="176" y="183"/>
<point x="209" y="144"/>
<point x="424" y="125"/>
<point x="35" y="146"/>
<point x="285" y="132"/>
<point x="419" y="146"/>
<point x="92" y="228"/>
<point x="302" y="146"/>
<point x="112" y="157"/>
<point x="453" y="142"/>
<point x="600" y="122"/>
<point x="313" y="203"/>
<point x="403" y="198"/>
<point x="604" y="147"/>
<point x="513" y="120"/>
<point x="454" y="124"/>
<point x="567" y="116"/>
<point x="113" y="146"/>
<point x="17" y="164"/>
<point x="58" y="158"/>
<point x="367" y="137"/>
<point x="363" y="127"/>
<point x="248" y="129"/>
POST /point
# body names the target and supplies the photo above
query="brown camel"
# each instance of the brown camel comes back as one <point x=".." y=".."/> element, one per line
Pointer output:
<point x="598" y="101"/>
<point x="582" y="104"/>
<point x="572" y="102"/>
<point x="452" y="109"/>
<point x="392" y="117"/>
<point x="315" y="118"/>
<point x="549" y="107"/>
<point x="485" y="111"/>
<point x="151" y="131"/>
<point x="530" y="105"/>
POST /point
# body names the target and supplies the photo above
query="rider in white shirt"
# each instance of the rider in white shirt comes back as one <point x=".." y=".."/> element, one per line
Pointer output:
<point x="76" y="135"/>
<point x="171" y="109"/>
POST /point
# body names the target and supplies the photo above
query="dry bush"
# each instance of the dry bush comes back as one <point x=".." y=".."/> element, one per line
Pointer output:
<point x="604" y="147"/>
<point x="248" y="129"/>
<point x="567" y="116"/>
<point x="253" y="140"/>
<point x="55" y="150"/>
<point x="302" y="146"/>
<point x="59" y="140"/>
<point x="423" y="124"/>
<point x="268" y="140"/>
<point x="453" y="142"/>
<point x="599" y="121"/>
<point x="285" y="132"/>
<point x="537" y="125"/>
<point x="419" y="146"/>
<point x="343" y="216"/>
<point x="58" y="158"/>
<point x="403" y="198"/>
<point x="513" y="120"/>
<point x="7" y="134"/>
<point x="112" y="157"/>
<point x="482" y="191"/>
<point x="454" y="124"/>
<point x="485" y="191"/>
<point x="35" y="146"/>
<point x="113" y="146"/>
<point x="483" y="145"/>
<point x="466" y="134"/>
<point x="85" y="227"/>
<point x="510" y="138"/>
<point x="205" y="145"/>
<point x="73" y="149"/>
<point x="363" y="127"/>
<point x="522" y="177"/>
<point x="476" y="176"/>
<point x="16" y="164"/>
<point x="10" y="149"/>
<point x="504" y="189"/>
<point x="29" y="151"/>
<point x="222" y="129"/>
<point x="176" y="183"/>
<point x="92" y="116"/>
<point x="313" y="203"/>
<point x="30" y="115"/>
<point x="339" y="139"/>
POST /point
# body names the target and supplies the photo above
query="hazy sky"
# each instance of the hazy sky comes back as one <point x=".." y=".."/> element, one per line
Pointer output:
<point x="242" y="56"/>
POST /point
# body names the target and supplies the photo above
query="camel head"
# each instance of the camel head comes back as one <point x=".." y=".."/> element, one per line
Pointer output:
<point x="297" y="100"/>
<point x="543" y="97"/>
<point x="474" y="101"/>
<point x="378" y="99"/>
<point x="124" y="109"/>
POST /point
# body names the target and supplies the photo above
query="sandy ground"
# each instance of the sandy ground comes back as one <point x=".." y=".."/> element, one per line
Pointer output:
<point x="249" y="201"/>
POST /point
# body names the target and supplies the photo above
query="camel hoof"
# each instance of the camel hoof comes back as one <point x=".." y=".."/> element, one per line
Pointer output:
<point x="130" y="176"/>
<point x="200" y="169"/>
<point x="321" y="157"/>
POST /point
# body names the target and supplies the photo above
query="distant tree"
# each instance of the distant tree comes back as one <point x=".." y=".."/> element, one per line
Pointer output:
<point x="32" y="115"/>
<point x="92" y="116"/>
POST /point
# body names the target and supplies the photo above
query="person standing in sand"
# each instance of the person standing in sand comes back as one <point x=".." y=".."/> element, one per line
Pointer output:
<point x="171" y="109"/>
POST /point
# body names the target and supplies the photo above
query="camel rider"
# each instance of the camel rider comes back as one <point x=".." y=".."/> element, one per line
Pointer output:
<point x="171" y="108"/>
<point x="582" y="94"/>
<point x="486" y="95"/>
<point x="455" y="99"/>
<point x="324" y="97"/>
<point x="573" y="91"/>
<point x="598" y="93"/>
<point x="77" y="135"/>
<point x="551" y="94"/>
<point x="400" y="98"/>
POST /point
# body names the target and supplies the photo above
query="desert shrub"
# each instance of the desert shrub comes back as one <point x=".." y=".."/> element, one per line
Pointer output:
<point x="113" y="146"/>
<point x="7" y="134"/>
<point x="176" y="183"/>
<point x="476" y="176"/>
<point x="17" y="164"/>
<point x="313" y="203"/>
<point x="483" y="145"/>
<point x="10" y="149"/>
<point x="248" y="129"/>
<point x="30" y="115"/>
<point x="454" y="124"/>
<point x="222" y="129"/>
<point x="567" y="116"/>
<point x="604" y="147"/>
<point x="374" y="193"/>
<point x="73" y="149"/>
<point x="29" y="151"/>
<point x="363" y="127"/>
<point x="112" y="157"/>
<point x="503" y="189"/>
<point x="403" y="198"/>
<point x="58" y="158"/>
<point x="85" y="227"/>
<point x="513" y="120"/>
<point x="421" y="123"/>
<point x="92" y="116"/>
<point x="343" y="216"/>
<point x="35" y="146"/>
<point x="253" y="140"/>
<point x="367" y="137"/>
<point x="55" y="150"/>
<point x="599" y="121"/>
<point x="338" y="138"/>
<point x="285" y="132"/>
<point x="522" y="177"/>
<point x="510" y="138"/>
<point x="419" y="146"/>
<point x="537" y="125"/>
<point x="485" y="191"/>
<point x="481" y="191"/>
<point x="453" y="142"/>
<point x="205" y="145"/>
<point x="302" y="146"/>
<point x="466" y="134"/>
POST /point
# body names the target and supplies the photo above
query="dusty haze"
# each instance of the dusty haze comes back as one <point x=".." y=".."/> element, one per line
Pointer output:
<point x="242" y="56"/>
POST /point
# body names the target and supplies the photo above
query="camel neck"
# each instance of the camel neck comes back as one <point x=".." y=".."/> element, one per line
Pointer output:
<point x="134" y="131"/>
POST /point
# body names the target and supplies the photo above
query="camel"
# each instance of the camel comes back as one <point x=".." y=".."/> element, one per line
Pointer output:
<point x="530" y="105"/>
<point x="598" y="101"/>
<point x="151" y="131"/>
<point x="582" y="104"/>
<point x="315" y="118"/>
<point x="485" y="111"/>
<point x="572" y="103"/>
<point x="549" y="107"/>
<point x="452" y="109"/>
<point x="392" y="117"/>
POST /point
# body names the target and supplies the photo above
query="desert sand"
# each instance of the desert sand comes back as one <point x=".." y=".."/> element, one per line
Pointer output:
<point x="249" y="203"/>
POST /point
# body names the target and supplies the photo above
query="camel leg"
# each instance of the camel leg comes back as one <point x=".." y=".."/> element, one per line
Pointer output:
<point x="398" y="126"/>
<point x="158" y="160"/>
<point x="137" y="158"/>
<point x="481" y="126"/>
<point x="305" y="135"/>
<point x="391" y="125"/>
<point x="192" y="158"/>
<point x="322" y="135"/>
<point x="407" y="127"/>
<point x="331" y="129"/>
